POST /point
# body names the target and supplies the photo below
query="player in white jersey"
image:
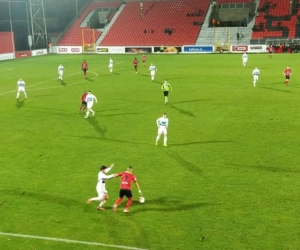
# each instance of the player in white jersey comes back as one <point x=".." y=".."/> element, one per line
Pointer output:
<point x="90" y="99"/>
<point x="60" y="72"/>
<point x="162" y="124"/>
<point x="245" y="59"/>
<point x="153" y="70"/>
<point x="100" y="188"/>
<point x="111" y="65"/>
<point x="255" y="74"/>
<point x="21" y="88"/>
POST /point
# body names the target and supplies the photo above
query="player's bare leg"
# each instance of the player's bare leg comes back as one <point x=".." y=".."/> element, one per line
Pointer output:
<point x="165" y="140"/>
<point x="87" y="113"/>
<point x="157" y="139"/>
<point x="117" y="203"/>
<point x="128" y="204"/>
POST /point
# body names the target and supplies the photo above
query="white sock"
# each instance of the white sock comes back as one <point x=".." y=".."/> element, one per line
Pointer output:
<point x="102" y="203"/>
<point x="87" y="113"/>
<point x="254" y="83"/>
<point x="166" y="99"/>
<point x="165" y="140"/>
<point x="25" y="94"/>
<point x="93" y="112"/>
<point x="18" y="94"/>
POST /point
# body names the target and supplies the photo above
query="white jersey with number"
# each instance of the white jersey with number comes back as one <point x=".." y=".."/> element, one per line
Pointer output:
<point x="111" y="63"/>
<point x="162" y="124"/>
<point x="90" y="99"/>
<point x="255" y="74"/>
<point x="102" y="178"/>
<point x="21" y="85"/>
<point x="245" y="57"/>
<point x="152" y="69"/>
<point x="60" y="70"/>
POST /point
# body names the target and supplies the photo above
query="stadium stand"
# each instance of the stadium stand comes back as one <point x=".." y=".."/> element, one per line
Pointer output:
<point x="176" y="22"/>
<point x="234" y="1"/>
<point x="276" y="18"/>
<point x="74" y="35"/>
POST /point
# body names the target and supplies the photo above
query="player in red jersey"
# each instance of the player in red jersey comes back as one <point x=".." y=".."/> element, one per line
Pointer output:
<point x="271" y="50"/>
<point x="125" y="188"/>
<point x="83" y="102"/>
<point x="144" y="58"/>
<point x="287" y="73"/>
<point x="84" y="67"/>
<point x="135" y="64"/>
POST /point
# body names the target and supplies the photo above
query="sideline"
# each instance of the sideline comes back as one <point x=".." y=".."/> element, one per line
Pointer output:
<point x="69" y="241"/>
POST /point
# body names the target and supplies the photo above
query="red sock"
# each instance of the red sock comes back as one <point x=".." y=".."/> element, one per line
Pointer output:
<point x="128" y="204"/>
<point x="118" y="201"/>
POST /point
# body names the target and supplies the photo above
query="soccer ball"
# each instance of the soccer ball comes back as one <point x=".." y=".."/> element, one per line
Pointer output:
<point x="141" y="200"/>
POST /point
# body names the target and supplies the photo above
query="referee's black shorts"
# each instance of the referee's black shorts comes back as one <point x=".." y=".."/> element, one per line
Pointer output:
<point x="166" y="93"/>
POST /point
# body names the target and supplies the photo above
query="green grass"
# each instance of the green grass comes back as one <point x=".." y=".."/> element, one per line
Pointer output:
<point x="229" y="178"/>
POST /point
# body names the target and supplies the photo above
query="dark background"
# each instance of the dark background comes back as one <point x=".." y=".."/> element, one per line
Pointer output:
<point x="58" y="14"/>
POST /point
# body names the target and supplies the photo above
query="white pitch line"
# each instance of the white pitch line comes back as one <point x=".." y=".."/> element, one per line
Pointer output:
<point x="69" y="241"/>
<point x="56" y="79"/>
<point x="2" y="70"/>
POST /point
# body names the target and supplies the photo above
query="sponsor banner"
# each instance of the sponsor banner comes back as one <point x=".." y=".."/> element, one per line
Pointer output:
<point x="22" y="54"/>
<point x="238" y="48"/>
<point x="112" y="50"/>
<point x="197" y="49"/>
<point x="39" y="52"/>
<point x="7" y="56"/>
<point x="69" y="49"/>
<point x="257" y="48"/>
<point x="168" y="49"/>
<point x="138" y="50"/>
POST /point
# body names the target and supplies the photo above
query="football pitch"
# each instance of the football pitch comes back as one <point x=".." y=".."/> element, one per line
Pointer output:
<point x="229" y="178"/>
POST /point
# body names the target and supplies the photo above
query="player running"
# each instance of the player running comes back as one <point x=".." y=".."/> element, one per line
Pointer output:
<point x="60" y="72"/>
<point x="255" y="74"/>
<point x="21" y="88"/>
<point x="100" y="188"/>
<point x="287" y="73"/>
<point x="125" y="188"/>
<point x="166" y="88"/>
<point x="271" y="50"/>
<point x="245" y="59"/>
<point x="135" y="65"/>
<point x="90" y="99"/>
<point x="83" y="102"/>
<point x="111" y="65"/>
<point x="144" y="58"/>
<point x="84" y="68"/>
<point x="162" y="124"/>
<point x="153" y="70"/>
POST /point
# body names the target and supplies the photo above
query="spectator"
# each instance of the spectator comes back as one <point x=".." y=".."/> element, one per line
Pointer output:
<point x="145" y="31"/>
<point x="238" y="36"/>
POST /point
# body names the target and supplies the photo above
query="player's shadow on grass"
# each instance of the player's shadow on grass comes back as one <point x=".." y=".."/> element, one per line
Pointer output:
<point x="273" y="169"/>
<point x="184" y="162"/>
<point x="196" y="100"/>
<point x="195" y="142"/>
<point x="280" y="90"/>
<point x="89" y="79"/>
<point x="42" y="197"/>
<point x="169" y="205"/>
<point x="182" y="111"/>
<point x="133" y="113"/>
<point x="62" y="83"/>
<point x="93" y="121"/>
<point x="115" y="73"/>
<point x="20" y="104"/>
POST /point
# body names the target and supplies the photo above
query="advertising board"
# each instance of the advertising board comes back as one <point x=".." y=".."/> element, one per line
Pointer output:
<point x="110" y="50"/>
<point x="239" y="48"/>
<point x="7" y="56"/>
<point x="39" y="52"/>
<point x="22" y="54"/>
<point x="69" y="49"/>
<point x="197" y="49"/>
<point x="168" y="49"/>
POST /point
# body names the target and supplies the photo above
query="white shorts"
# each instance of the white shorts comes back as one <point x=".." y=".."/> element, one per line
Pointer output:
<point x="102" y="193"/>
<point x="152" y="73"/>
<point x="162" y="130"/>
<point x="21" y="89"/>
<point x="110" y="65"/>
<point x="61" y="73"/>
<point x="90" y="105"/>
<point x="245" y="60"/>
<point x="255" y="78"/>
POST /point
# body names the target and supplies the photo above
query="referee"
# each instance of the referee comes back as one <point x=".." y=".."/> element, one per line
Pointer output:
<point x="166" y="87"/>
